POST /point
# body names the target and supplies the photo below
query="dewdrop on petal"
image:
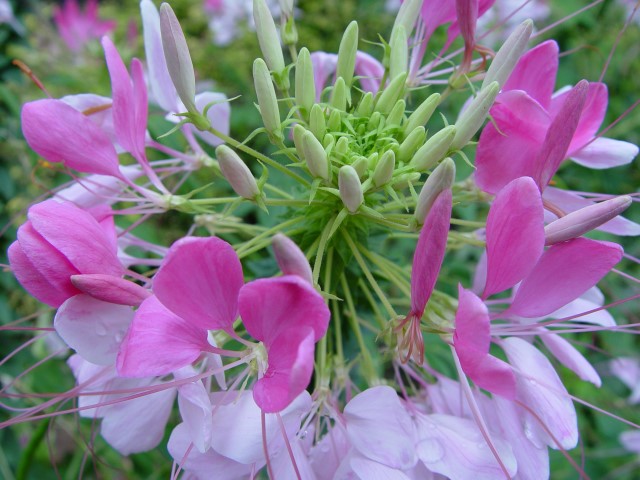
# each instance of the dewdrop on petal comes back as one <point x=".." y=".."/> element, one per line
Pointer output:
<point x="305" y="85"/>
<point x="350" y="188"/>
<point x="237" y="173"/>
<point x="315" y="156"/>
<point x="441" y="179"/>
<point x="508" y="55"/>
<point x="347" y="53"/>
<point x="267" y="100"/>
<point x="268" y="37"/>
<point x="474" y="116"/>
<point x="290" y="258"/>
<point x="422" y="114"/>
<point x="434" y="149"/>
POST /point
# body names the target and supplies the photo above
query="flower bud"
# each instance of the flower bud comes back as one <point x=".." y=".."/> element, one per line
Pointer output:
<point x="372" y="161"/>
<point x="317" y="122"/>
<point x="347" y="53"/>
<point x="407" y="16"/>
<point x="305" y="84"/>
<point x="396" y="114"/>
<point x="474" y="116"/>
<point x="403" y="181"/>
<point x="290" y="258"/>
<point x="267" y="100"/>
<point x="434" y="149"/>
<point x="585" y="219"/>
<point x="350" y="188"/>
<point x="315" y="156"/>
<point x="422" y="114"/>
<point x="268" y="36"/>
<point x="339" y="95"/>
<point x="341" y="148"/>
<point x="335" y="121"/>
<point x="286" y="7"/>
<point x="411" y="144"/>
<point x="365" y="108"/>
<point x="441" y="179"/>
<point x="384" y="169"/>
<point x="391" y="94"/>
<point x="288" y="30"/>
<point x="361" y="165"/>
<point x="399" y="56"/>
<point x="376" y="122"/>
<point x="176" y="53"/>
<point x="508" y="55"/>
<point x="237" y="173"/>
<point x="328" y="141"/>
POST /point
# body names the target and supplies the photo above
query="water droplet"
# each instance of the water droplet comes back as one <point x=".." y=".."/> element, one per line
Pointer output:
<point x="430" y="450"/>
<point x="101" y="329"/>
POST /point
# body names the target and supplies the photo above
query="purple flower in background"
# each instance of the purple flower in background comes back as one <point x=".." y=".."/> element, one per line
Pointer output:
<point x="77" y="27"/>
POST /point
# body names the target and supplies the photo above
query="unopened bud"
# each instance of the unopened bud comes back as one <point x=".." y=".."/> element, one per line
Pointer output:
<point x="361" y="165"/>
<point x="339" y="95"/>
<point x="365" y="108"/>
<point x="268" y="36"/>
<point x="441" y="179"/>
<point x="584" y="220"/>
<point x="422" y="114"/>
<point x="237" y="173"/>
<point x="290" y="258"/>
<point x="347" y="53"/>
<point x="109" y="288"/>
<point x="328" y="141"/>
<point x="384" y="169"/>
<point x="376" y="122"/>
<point x="350" y="188"/>
<point x="317" y="123"/>
<point x="474" y="116"/>
<point x="267" y="100"/>
<point x="434" y="149"/>
<point x="391" y="94"/>
<point x="399" y="56"/>
<point x="305" y="84"/>
<point x="396" y="114"/>
<point x="288" y="30"/>
<point x="334" y="123"/>
<point x="372" y="161"/>
<point x="407" y="16"/>
<point x="508" y="55"/>
<point x="403" y="181"/>
<point x="176" y="53"/>
<point x="315" y="156"/>
<point x="411" y="144"/>
<point x="341" y="148"/>
<point x="286" y="7"/>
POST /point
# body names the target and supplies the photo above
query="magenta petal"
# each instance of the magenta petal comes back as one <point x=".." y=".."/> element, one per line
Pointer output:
<point x="269" y="307"/>
<point x="535" y="73"/>
<point x="430" y="251"/>
<point x="156" y="329"/>
<point x="595" y="107"/>
<point x="290" y="367"/>
<point x="59" y="133"/>
<point x="370" y="71"/>
<point x="110" y="289"/>
<point x="515" y="235"/>
<point x="563" y="273"/>
<point x="199" y="280"/>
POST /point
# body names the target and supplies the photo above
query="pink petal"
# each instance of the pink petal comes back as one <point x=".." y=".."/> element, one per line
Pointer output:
<point x="93" y="328"/>
<point x="324" y="66"/>
<point x="541" y="390"/>
<point x="509" y="151"/>
<point x="98" y="109"/>
<point x="60" y="133"/>
<point x="110" y="289"/>
<point x="366" y="469"/>
<point x="196" y="411"/>
<point x="571" y="358"/>
<point x="327" y="454"/>
<point x="472" y="339"/>
<point x="515" y="235"/>
<point x="199" y="280"/>
<point x="631" y="440"/>
<point x="269" y="307"/>
<point x="156" y="329"/>
<point x="430" y="252"/>
<point x="283" y="464"/>
<point x="563" y="273"/>
<point x="581" y="305"/>
<point x="535" y="73"/>
<point x="605" y="152"/>
<point x="370" y="71"/>
<point x="290" y="359"/>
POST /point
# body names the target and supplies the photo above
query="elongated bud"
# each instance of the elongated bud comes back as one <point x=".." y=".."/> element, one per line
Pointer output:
<point x="317" y="123"/>
<point x="341" y="148"/>
<point x="372" y="161"/>
<point x="286" y="7"/>
<point x="403" y="181"/>
<point x="237" y="173"/>
<point x="176" y="53"/>
<point x="365" y="108"/>
<point x="441" y="179"/>
<point x="339" y="95"/>
<point x="315" y="156"/>
<point x="391" y="94"/>
<point x="407" y="16"/>
<point x="422" y="114"/>
<point x="109" y="288"/>
<point x="267" y="100"/>
<point x="376" y="121"/>
<point x="350" y="188"/>
<point x="335" y="121"/>
<point x="475" y="115"/>
<point x="399" y="52"/>
<point x="347" y="53"/>
<point x="434" y="149"/>
<point x="290" y="258"/>
<point x="581" y="221"/>
<point x="268" y="36"/>
<point x="298" y="133"/>
<point x="328" y="141"/>
<point x="361" y="165"/>
<point x="411" y="144"/>
<point x="384" y="169"/>
<point x="396" y="114"/>
<point x="509" y="54"/>
<point x="305" y="85"/>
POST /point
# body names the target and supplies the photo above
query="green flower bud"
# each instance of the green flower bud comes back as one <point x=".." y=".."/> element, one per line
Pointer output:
<point x="341" y="148"/>
<point x="372" y="161"/>
<point x="305" y="85"/>
<point x="396" y="114"/>
<point x="422" y="114"/>
<point x="434" y="149"/>
<point x="317" y="122"/>
<point x="474" y="116"/>
<point x="268" y="36"/>
<point x="237" y="173"/>
<point x="339" y="95"/>
<point x="267" y="100"/>
<point x="384" y="169"/>
<point x="407" y="16"/>
<point x="441" y="179"/>
<point x="315" y="156"/>
<point x="508" y="55"/>
<point x="391" y="94"/>
<point x="365" y="108"/>
<point x="399" y="58"/>
<point x="350" y="188"/>
<point x="335" y="121"/>
<point x="411" y="144"/>
<point x="361" y="165"/>
<point x="376" y="121"/>
<point x="328" y="141"/>
<point x="347" y="53"/>
<point x="288" y="30"/>
<point x="403" y="181"/>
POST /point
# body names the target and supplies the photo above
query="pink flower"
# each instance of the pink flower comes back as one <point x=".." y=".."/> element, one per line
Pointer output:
<point x="77" y="27"/>
<point x="367" y="68"/>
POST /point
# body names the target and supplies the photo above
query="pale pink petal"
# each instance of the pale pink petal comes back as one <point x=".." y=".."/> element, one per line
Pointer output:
<point x="366" y="469"/>
<point x="326" y="454"/>
<point x="480" y="275"/>
<point x="631" y="440"/>
<point x="627" y="370"/>
<point x="271" y="306"/>
<point x="93" y="378"/>
<point x="380" y="428"/>
<point x="156" y="329"/>
<point x="98" y="109"/>
<point x="605" y="152"/>
<point x="571" y="358"/>
<point x="515" y="235"/>
<point x="430" y="251"/>
<point x="94" y="190"/>
<point x="541" y="390"/>
<point x="93" y="328"/>
<point x="59" y="133"/>
<point x="282" y="463"/>
<point x="199" y="280"/>
<point x="563" y="273"/>
<point x="535" y="73"/>
<point x="579" y="306"/>
<point x="370" y="71"/>
<point x="324" y="66"/>
<point x="219" y="115"/>
<point x="110" y="289"/>
<point x="196" y="412"/>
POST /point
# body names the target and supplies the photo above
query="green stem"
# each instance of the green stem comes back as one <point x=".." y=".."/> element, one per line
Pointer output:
<point x="249" y="244"/>
<point x="321" y="247"/>
<point x="26" y="459"/>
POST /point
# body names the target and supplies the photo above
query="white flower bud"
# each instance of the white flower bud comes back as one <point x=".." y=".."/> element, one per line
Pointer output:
<point x="268" y="36"/>
<point x="434" y="149"/>
<point x="350" y="188"/>
<point x="237" y="173"/>
<point x="508" y="55"/>
<point x="441" y="179"/>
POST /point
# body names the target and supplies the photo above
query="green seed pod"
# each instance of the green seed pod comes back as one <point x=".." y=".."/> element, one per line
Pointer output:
<point x="474" y="116"/>
<point x="384" y="169"/>
<point x="268" y="36"/>
<point x="360" y="165"/>
<point x="365" y="108"/>
<point x="508" y="55"/>
<point x="396" y="114"/>
<point x="339" y="95"/>
<point x="237" y="173"/>
<point x="335" y="121"/>
<point x="399" y="58"/>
